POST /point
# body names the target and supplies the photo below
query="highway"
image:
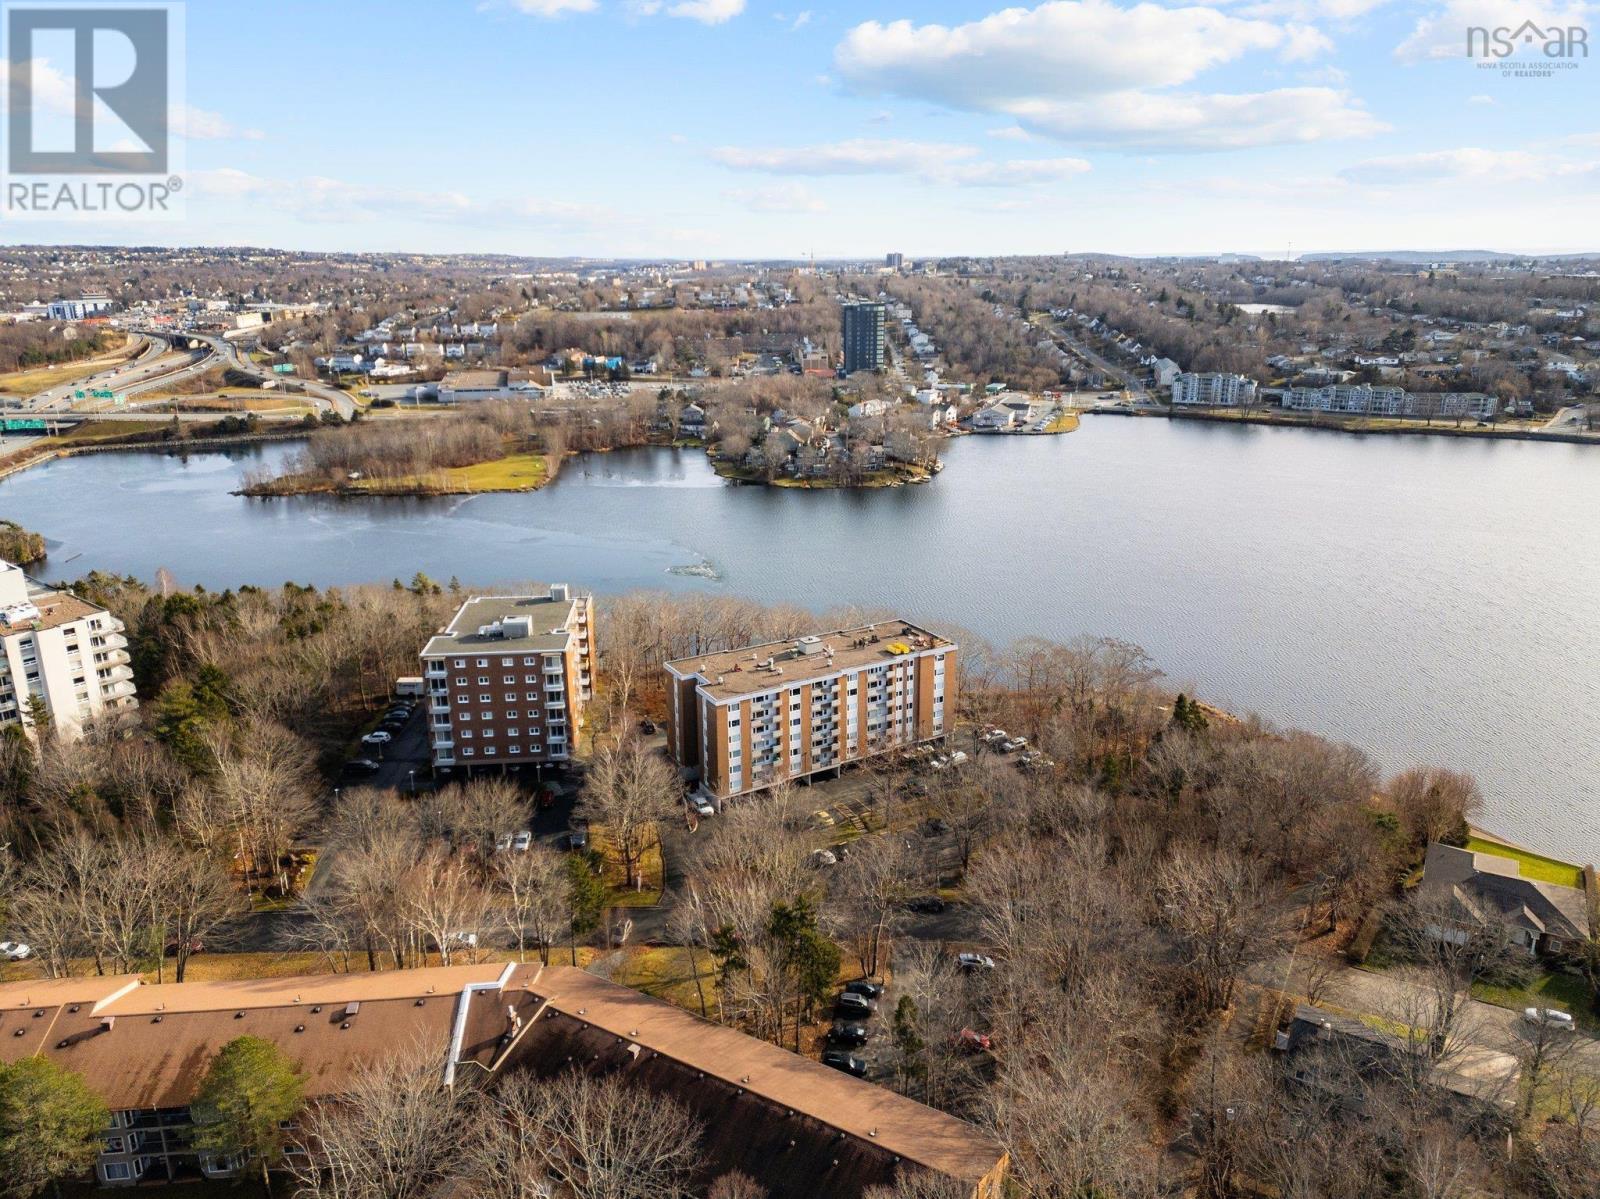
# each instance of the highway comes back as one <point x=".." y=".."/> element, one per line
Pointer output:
<point x="157" y="366"/>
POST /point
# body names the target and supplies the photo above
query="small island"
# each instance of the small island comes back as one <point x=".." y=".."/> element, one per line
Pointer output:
<point x="19" y="545"/>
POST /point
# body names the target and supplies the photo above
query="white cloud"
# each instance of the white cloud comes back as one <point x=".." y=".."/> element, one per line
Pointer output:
<point x="319" y="199"/>
<point x="1092" y="72"/>
<point x="934" y="162"/>
<point x="793" y="197"/>
<point x="707" y="12"/>
<point x="1442" y="32"/>
<point x="1192" y="122"/>
<point x="552" y="8"/>
<point x="1010" y="133"/>
<point x="1480" y="99"/>
<point x="199" y="124"/>
<point x="1464" y="165"/>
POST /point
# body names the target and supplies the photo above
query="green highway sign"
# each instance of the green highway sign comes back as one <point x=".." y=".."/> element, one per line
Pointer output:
<point x="24" y="426"/>
<point x="283" y="368"/>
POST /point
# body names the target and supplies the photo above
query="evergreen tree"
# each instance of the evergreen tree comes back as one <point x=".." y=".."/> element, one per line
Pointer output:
<point x="248" y="1092"/>
<point x="50" y="1125"/>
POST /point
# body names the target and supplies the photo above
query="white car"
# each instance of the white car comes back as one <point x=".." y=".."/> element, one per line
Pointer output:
<point x="823" y="857"/>
<point x="974" y="961"/>
<point x="1549" y="1017"/>
<point x="702" y="805"/>
<point x="502" y="842"/>
<point x="994" y="736"/>
<point x="959" y="758"/>
<point x="377" y="738"/>
<point x="1012" y="744"/>
<point x="15" y="951"/>
<point x="522" y="842"/>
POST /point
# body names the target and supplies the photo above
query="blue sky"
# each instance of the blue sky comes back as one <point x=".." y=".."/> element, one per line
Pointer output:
<point x="734" y="128"/>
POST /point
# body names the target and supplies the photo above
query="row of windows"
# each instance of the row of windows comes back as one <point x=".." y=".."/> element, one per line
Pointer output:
<point x="531" y="697"/>
<point x="552" y="662"/>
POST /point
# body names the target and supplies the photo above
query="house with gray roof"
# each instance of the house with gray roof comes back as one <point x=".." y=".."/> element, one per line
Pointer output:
<point x="1480" y="889"/>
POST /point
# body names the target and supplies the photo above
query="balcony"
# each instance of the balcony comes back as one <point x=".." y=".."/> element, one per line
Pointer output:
<point x="119" y="689"/>
<point x="436" y="672"/>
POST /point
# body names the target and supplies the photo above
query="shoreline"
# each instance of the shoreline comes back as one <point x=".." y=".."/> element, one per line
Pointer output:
<point x="1325" y="425"/>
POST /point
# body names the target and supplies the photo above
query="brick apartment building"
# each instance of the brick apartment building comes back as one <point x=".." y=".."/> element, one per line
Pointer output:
<point x="798" y="1128"/>
<point x="744" y="719"/>
<point x="62" y="651"/>
<point x="508" y="680"/>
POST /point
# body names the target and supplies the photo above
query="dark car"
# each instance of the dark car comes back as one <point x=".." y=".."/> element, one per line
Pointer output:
<point x="928" y="904"/>
<point x="196" y="945"/>
<point x="358" y="766"/>
<point x="647" y="727"/>
<point x="840" y="1060"/>
<point x="851" y="1004"/>
<point x="578" y="838"/>
<point x="861" y="986"/>
<point x="848" y="1032"/>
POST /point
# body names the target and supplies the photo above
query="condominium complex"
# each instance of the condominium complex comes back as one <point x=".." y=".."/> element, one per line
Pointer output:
<point x="1213" y="389"/>
<point x="61" y="658"/>
<point x="508" y="679"/>
<point x="1388" y="400"/>
<point x="741" y="720"/>
<point x="863" y="336"/>
<point x="798" y="1128"/>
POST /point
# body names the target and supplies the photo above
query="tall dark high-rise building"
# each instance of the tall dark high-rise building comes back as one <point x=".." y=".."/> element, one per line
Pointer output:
<point x="894" y="260"/>
<point x="863" y="336"/>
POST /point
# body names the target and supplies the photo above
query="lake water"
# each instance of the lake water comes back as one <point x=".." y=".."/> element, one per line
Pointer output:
<point x="1429" y="599"/>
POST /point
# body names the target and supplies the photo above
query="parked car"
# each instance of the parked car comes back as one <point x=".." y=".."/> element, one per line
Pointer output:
<point x="15" y="951"/>
<point x="377" y="737"/>
<point x="358" y="766"/>
<point x="462" y="940"/>
<point x="865" y="987"/>
<point x="196" y="945"/>
<point x="942" y="762"/>
<point x="851" y="1004"/>
<point x="823" y="857"/>
<point x="928" y="905"/>
<point x="647" y="727"/>
<point x="848" y="1032"/>
<point x="973" y="1042"/>
<point x="578" y="838"/>
<point x="702" y="806"/>
<point x="959" y="758"/>
<point x="974" y="961"/>
<point x="848" y="1062"/>
<point x="1548" y="1017"/>
<point x="502" y="843"/>
<point x="523" y="841"/>
<point x="1011" y="744"/>
<point x="993" y="736"/>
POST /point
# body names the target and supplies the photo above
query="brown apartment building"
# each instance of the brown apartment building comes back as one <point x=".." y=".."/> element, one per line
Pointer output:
<point x="508" y="680"/>
<point x="798" y="1128"/>
<point x="741" y="720"/>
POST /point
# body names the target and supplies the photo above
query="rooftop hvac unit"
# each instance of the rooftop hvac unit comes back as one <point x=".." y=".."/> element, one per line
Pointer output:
<point x="19" y="614"/>
<point x="489" y="630"/>
<point x="560" y="592"/>
<point x="808" y="645"/>
<point x="517" y="626"/>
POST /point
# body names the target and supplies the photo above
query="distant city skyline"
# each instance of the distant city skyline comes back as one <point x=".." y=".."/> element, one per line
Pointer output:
<point x="737" y="129"/>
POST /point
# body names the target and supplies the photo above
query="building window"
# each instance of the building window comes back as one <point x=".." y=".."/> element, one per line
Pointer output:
<point x="461" y="662"/>
<point x="468" y="752"/>
<point x="511" y="697"/>
<point x="116" y="1172"/>
<point x="486" y="699"/>
<point x="483" y="680"/>
<point x="483" y="661"/>
<point x="516" y="749"/>
<point x="511" y="715"/>
<point x="114" y="1145"/>
<point x="509" y="679"/>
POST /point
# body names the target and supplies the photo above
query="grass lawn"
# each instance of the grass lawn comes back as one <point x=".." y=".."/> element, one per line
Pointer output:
<point x="1533" y="866"/>
<point x="665" y="972"/>
<point x="514" y="472"/>
<point x="42" y="378"/>
<point x="652" y="869"/>
<point x="110" y="430"/>
<point x="1065" y="422"/>
<point x="1561" y="991"/>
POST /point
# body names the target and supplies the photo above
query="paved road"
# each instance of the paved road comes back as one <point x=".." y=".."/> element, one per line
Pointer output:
<point x="323" y="398"/>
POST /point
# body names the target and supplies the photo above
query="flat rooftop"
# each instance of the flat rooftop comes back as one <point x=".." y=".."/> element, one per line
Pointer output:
<point x="544" y="611"/>
<point x="734" y="673"/>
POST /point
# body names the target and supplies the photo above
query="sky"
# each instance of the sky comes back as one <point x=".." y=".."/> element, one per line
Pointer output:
<point x="745" y="129"/>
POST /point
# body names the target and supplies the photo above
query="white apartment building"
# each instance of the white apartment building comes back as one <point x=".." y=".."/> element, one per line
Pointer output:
<point x="64" y="651"/>
<point x="1213" y="389"/>
<point x="1368" y="400"/>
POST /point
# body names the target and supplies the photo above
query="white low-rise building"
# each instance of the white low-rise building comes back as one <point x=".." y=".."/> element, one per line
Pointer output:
<point x="1213" y="389"/>
<point x="61" y="657"/>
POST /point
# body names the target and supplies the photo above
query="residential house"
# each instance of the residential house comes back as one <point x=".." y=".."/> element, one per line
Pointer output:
<point x="1472" y="890"/>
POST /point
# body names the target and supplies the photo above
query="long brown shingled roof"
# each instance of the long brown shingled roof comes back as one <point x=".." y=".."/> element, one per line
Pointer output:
<point x="801" y="1129"/>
